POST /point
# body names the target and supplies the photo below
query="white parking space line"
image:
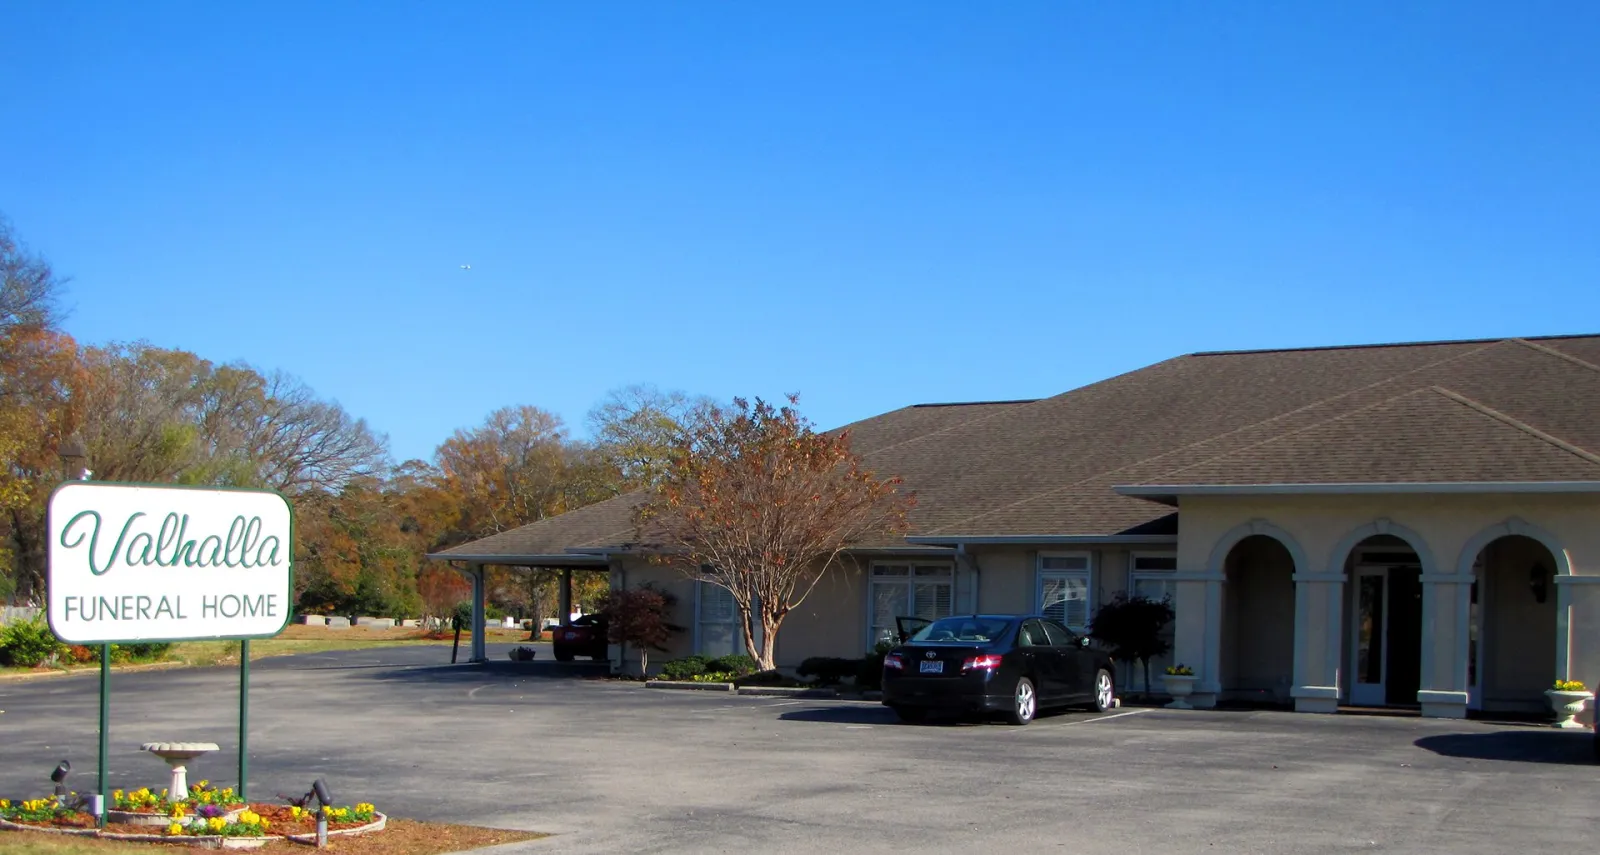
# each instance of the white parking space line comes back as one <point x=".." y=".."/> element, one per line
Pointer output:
<point x="782" y="704"/>
<point x="858" y="727"/>
<point x="1110" y="717"/>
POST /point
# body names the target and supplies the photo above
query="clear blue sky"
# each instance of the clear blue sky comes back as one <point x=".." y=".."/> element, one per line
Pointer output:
<point x="872" y="204"/>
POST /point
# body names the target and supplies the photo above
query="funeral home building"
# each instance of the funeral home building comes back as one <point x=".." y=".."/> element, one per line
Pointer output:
<point x="1411" y="525"/>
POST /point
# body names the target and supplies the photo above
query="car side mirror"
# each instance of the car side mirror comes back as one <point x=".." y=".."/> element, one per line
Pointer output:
<point x="1083" y="641"/>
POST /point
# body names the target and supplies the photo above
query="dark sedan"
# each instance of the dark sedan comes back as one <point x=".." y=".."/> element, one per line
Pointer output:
<point x="1008" y="664"/>
<point x="585" y="636"/>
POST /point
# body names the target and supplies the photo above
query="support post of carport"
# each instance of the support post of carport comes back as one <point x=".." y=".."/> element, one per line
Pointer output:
<point x="480" y="651"/>
<point x="566" y="596"/>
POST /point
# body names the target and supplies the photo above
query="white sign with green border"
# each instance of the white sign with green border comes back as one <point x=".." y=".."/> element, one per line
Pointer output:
<point x="134" y="562"/>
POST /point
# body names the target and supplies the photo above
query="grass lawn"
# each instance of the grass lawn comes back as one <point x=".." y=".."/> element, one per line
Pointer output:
<point x="296" y="638"/>
<point x="402" y="837"/>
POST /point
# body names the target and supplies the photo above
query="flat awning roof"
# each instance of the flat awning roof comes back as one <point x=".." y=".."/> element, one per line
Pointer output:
<point x="560" y="559"/>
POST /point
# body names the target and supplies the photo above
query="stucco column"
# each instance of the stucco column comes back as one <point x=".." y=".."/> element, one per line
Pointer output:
<point x="566" y="596"/>
<point x="619" y="581"/>
<point x="1446" y="604"/>
<point x="480" y="651"/>
<point x="1318" y="615"/>
<point x="1209" y="686"/>
<point x="1192" y="631"/>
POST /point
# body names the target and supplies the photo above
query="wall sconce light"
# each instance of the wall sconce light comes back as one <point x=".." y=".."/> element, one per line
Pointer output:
<point x="1539" y="583"/>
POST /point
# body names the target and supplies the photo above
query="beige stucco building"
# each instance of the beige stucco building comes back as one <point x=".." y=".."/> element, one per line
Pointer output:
<point x="1412" y="526"/>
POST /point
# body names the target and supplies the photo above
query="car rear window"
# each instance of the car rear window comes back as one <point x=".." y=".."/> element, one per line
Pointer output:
<point x="963" y="630"/>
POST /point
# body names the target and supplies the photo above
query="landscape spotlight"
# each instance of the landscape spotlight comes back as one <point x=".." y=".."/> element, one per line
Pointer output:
<point x="59" y="776"/>
<point x="320" y="788"/>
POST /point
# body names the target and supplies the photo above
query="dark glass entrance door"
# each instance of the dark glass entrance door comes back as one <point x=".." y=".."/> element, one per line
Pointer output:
<point x="1405" y="636"/>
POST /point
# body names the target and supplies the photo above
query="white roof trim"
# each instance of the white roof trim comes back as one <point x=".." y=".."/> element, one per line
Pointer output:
<point x="1169" y="493"/>
<point x="1000" y="539"/>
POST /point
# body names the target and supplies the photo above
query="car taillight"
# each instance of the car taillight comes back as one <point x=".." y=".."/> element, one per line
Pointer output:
<point x="986" y="662"/>
<point x="894" y="662"/>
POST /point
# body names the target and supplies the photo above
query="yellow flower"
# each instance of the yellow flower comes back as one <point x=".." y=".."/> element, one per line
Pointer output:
<point x="174" y="829"/>
<point x="203" y="784"/>
<point x="177" y="811"/>
<point x="5" y="803"/>
<point x="216" y="823"/>
<point x="116" y="794"/>
<point x="294" y="811"/>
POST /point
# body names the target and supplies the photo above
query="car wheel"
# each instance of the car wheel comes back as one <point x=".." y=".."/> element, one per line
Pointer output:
<point x="1105" y="693"/>
<point x="911" y="715"/>
<point x="563" y="655"/>
<point x="1024" y="702"/>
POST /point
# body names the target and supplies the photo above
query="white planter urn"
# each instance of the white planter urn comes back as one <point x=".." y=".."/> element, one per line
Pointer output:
<point x="1180" y="687"/>
<point x="1567" y="706"/>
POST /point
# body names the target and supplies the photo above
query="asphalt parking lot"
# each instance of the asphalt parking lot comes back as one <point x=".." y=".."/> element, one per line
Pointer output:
<point x="613" y="767"/>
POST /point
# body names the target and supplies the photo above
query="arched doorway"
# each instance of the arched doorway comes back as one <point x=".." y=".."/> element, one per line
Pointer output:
<point x="1512" y="638"/>
<point x="1258" y="608"/>
<point x="1383" y="623"/>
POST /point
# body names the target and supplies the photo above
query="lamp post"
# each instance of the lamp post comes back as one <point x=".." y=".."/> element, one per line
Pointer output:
<point x="74" y="458"/>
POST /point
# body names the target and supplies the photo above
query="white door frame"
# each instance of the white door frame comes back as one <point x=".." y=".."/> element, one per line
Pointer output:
<point x="1475" y="681"/>
<point x="1368" y="694"/>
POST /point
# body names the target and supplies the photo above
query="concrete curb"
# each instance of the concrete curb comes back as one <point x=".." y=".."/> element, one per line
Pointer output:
<point x="787" y="692"/>
<point x="684" y="684"/>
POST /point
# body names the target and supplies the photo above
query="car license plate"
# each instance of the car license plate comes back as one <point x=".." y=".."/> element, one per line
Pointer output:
<point x="934" y="667"/>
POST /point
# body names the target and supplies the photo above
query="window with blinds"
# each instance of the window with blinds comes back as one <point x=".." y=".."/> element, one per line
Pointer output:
<point x="1063" y="594"/>
<point x="909" y="590"/>
<point x="717" y="620"/>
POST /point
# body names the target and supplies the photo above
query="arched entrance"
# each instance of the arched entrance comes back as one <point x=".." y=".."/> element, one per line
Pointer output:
<point x="1512" y="637"/>
<point x="1383" y="623"/>
<point x="1258" y="610"/>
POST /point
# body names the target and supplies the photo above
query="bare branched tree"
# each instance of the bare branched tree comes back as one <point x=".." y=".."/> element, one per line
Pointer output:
<point x="29" y="288"/>
<point x="759" y="503"/>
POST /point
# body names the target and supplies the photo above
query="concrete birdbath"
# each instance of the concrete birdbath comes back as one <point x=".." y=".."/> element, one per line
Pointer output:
<point x="177" y="755"/>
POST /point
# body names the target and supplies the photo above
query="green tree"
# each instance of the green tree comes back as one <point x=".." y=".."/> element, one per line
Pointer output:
<point x="1134" y="627"/>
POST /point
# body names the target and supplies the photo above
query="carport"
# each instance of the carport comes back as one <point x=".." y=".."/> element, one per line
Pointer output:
<point x="473" y="566"/>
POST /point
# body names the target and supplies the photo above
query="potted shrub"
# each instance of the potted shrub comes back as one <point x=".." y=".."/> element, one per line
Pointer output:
<point x="1567" y="698"/>
<point x="1180" y="685"/>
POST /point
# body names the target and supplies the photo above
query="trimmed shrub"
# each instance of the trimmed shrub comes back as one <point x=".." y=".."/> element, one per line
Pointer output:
<point x="767" y="679"/>
<point x="140" y="651"/>
<point x="871" y="674"/>
<point x="30" y="643"/>
<point x="829" y="670"/>
<point x="686" y="668"/>
<point x="737" y="664"/>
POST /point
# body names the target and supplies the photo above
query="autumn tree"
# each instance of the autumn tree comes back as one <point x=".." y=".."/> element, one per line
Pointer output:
<point x="635" y="429"/>
<point x="638" y="616"/>
<point x="39" y="407"/>
<point x="507" y="472"/>
<point x="758" y="502"/>
<point x="442" y="588"/>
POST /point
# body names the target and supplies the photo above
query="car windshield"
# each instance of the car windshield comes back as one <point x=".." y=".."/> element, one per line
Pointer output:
<point x="963" y="630"/>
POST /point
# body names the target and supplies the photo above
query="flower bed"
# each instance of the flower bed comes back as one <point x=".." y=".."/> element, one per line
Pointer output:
<point x="218" y="822"/>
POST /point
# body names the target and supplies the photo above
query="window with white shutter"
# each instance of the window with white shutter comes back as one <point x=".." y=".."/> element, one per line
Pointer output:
<point x="908" y="590"/>
<point x="717" y="622"/>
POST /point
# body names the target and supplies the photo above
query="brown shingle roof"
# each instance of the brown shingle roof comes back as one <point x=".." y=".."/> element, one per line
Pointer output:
<point x="610" y="523"/>
<point x="1492" y="410"/>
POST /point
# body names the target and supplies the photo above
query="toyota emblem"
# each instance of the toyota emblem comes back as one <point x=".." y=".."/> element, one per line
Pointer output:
<point x="932" y="655"/>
